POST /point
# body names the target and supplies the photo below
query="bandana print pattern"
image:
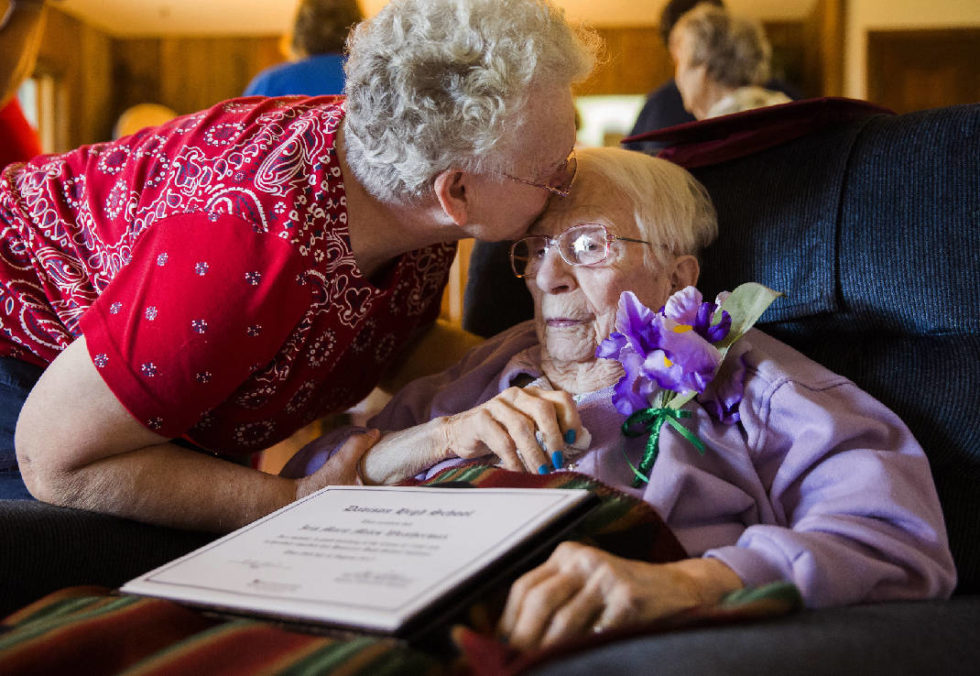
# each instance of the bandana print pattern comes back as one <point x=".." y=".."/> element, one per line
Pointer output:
<point x="72" y="222"/>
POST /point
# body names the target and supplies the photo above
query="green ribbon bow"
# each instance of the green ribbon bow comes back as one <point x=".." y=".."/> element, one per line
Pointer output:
<point x="651" y="421"/>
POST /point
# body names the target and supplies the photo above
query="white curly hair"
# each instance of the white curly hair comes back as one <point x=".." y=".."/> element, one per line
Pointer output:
<point x="434" y="84"/>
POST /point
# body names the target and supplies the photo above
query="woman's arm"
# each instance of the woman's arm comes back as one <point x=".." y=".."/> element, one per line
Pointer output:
<point x="846" y="488"/>
<point x="581" y="589"/>
<point x="77" y="446"/>
<point x="413" y="420"/>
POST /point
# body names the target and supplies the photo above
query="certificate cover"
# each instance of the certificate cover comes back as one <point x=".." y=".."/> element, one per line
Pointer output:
<point x="379" y="559"/>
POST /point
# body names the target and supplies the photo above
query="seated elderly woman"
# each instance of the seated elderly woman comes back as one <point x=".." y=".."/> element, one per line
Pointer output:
<point x="720" y="63"/>
<point x="809" y="480"/>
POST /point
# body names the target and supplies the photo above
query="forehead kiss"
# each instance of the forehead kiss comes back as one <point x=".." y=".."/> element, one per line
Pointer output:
<point x="592" y="199"/>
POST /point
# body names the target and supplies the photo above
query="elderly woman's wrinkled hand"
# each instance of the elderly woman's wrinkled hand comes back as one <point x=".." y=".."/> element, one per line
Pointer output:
<point x="508" y="424"/>
<point x="580" y="589"/>
<point x="343" y="466"/>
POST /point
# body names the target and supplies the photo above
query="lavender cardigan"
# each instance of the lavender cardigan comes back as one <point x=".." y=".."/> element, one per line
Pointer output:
<point x="819" y="484"/>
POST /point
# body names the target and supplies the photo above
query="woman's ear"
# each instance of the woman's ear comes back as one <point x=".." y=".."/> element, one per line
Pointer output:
<point x="685" y="273"/>
<point x="451" y="191"/>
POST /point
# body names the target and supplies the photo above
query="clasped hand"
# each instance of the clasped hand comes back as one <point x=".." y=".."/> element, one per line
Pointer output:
<point x="581" y="589"/>
<point x="510" y="425"/>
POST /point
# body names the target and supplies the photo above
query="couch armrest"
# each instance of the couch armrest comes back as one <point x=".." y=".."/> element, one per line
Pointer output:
<point x="46" y="548"/>
<point x="914" y="637"/>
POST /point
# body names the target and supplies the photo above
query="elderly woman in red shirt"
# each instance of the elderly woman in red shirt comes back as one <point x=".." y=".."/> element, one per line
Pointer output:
<point x="231" y="276"/>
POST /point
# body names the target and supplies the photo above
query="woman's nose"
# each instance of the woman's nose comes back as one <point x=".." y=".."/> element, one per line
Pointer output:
<point x="554" y="275"/>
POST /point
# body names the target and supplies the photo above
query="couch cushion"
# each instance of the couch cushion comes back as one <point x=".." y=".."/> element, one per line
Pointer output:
<point x="910" y="224"/>
<point x="777" y="221"/>
<point x="46" y="548"/>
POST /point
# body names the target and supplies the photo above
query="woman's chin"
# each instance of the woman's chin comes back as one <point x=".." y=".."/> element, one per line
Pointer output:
<point x="564" y="350"/>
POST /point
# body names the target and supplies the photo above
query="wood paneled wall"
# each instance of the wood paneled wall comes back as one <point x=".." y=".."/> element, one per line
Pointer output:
<point x="823" y="44"/>
<point x="634" y="61"/>
<point x="188" y="74"/>
<point x="789" y="54"/>
<point x="920" y="69"/>
<point x="78" y="58"/>
<point x="98" y="76"/>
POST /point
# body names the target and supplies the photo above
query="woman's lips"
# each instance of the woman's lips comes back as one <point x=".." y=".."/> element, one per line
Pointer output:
<point x="564" y="322"/>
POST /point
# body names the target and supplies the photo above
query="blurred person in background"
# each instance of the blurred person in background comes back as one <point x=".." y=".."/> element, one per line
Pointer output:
<point x="316" y="49"/>
<point x="664" y="106"/>
<point x="141" y="116"/>
<point x="20" y="39"/>
<point x="721" y="63"/>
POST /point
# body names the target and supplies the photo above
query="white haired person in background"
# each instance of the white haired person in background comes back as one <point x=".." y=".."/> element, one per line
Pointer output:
<point x="226" y="278"/>
<point x="720" y="63"/>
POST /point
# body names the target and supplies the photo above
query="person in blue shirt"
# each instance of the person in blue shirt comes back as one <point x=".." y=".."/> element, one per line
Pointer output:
<point x="317" y="47"/>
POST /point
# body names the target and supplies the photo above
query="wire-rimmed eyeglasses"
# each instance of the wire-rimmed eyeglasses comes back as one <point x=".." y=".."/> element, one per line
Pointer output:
<point x="563" y="177"/>
<point x="586" y="244"/>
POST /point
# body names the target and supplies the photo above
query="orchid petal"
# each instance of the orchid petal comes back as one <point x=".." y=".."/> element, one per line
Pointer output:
<point x="697" y="358"/>
<point x="683" y="305"/>
<point x="637" y="322"/>
<point x="630" y="393"/>
<point x="612" y="347"/>
<point x="718" y="332"/>
<point x="659" y="368"/>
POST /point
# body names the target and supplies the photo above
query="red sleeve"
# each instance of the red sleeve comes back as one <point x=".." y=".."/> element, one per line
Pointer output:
<point x="18" y="140"/>
<point x="202" y="304"/>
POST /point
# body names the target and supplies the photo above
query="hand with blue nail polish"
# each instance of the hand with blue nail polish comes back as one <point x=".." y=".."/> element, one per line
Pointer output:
<point x="526" y="429"/>
<point x="519" y="426"/>
<point x="558" y="459"/>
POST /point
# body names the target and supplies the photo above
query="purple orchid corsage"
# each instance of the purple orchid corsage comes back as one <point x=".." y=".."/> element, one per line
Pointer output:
<point x="671" y="356"/>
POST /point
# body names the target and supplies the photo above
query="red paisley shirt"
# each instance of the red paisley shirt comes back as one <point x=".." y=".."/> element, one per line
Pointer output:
<point x="208" y="264"/>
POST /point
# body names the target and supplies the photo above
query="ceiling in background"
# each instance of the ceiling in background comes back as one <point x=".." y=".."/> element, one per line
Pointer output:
<point x="263" y="17"/>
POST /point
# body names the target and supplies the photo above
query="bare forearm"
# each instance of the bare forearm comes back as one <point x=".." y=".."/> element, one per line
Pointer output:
<point x="89" y="452"/>
<point x="405" y="453"/>
<point x="708" y="580"/>
<point x="170" y="486"/>
<point x="20" y="39"/>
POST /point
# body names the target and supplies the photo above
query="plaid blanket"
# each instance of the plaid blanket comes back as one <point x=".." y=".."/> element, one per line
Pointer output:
<point x="97" y="631"/>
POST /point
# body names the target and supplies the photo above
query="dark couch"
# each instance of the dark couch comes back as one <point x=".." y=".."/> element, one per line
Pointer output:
<point x="871" y="222"/>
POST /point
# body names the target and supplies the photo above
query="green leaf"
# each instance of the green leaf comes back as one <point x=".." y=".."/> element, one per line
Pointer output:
<point x="745" y="304"/>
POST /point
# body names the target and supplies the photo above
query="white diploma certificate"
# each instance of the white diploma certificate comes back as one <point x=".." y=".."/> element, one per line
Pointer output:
<point x="358" y="557"/>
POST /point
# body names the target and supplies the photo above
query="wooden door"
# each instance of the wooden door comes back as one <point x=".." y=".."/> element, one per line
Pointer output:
<point x="921" y="69"/>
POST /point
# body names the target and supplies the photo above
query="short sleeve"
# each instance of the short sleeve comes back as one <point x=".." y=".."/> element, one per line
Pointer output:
<point x="204" y="302"/>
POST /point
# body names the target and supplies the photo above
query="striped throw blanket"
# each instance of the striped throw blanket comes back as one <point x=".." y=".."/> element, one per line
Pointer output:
<point x="97" y="631"/>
